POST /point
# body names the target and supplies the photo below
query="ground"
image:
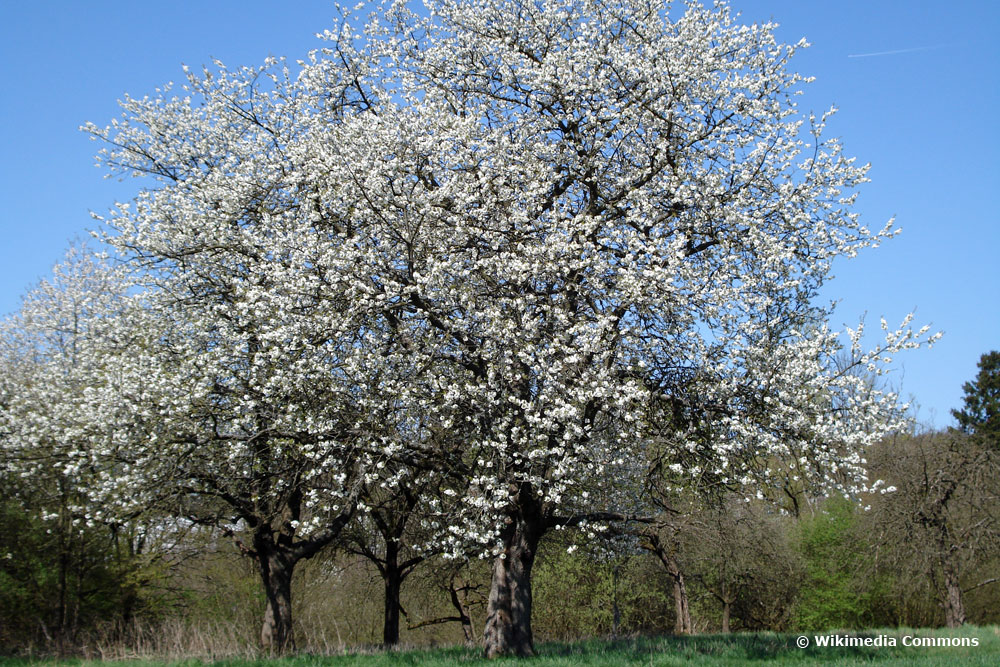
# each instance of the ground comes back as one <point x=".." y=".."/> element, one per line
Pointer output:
<point x="735" y="649"/>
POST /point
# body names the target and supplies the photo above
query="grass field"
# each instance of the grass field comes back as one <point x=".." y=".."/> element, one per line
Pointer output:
<point x="737" y="649"/>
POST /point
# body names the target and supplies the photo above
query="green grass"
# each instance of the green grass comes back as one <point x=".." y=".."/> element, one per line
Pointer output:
<point x="737" y="649"/>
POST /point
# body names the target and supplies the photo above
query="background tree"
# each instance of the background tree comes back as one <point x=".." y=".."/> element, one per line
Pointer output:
<point x="981" y="415"/>
<point x="61" y="571"/>
<point x="664" y="543"/>
<point x="740" y="554"/>
<point x="392" y="533"/>
<point x="464" y="583"/>
<point x="404" y="514"/>
<point x="246" y="400"/>
<point x="602" y="586"/>
<point x="937" y="512"/>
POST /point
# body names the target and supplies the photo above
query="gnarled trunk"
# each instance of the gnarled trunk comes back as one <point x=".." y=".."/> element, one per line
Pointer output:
<point x="954" y="608"/>
<point x="682" y="624"/>
<point x="276" y="568"/>
<point x="951" y="596"/>
<point x="508" y="612"/>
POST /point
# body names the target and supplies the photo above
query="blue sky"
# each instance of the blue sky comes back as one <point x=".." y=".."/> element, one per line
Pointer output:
<point x="923" y="111"/>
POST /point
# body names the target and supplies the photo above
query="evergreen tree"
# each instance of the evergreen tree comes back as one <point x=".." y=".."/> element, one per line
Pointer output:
<point x="981" y="415"/>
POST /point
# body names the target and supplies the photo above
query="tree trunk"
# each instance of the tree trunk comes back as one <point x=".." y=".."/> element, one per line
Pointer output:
<point x="63" y="602"/>
<point x="726" y="606"/>
<point x="682" y="610"/>
<point x="951" y="596"/>
<point x="276" y="574"/>
<point x="464" y="616"/>
<point x="682" y="624"/>
<point x="508" y="612"/>
<point x="616" y="614"/>
<point x="65" y="547"/>
<point x="954" y="608"/>
<point x="393" y="578"/>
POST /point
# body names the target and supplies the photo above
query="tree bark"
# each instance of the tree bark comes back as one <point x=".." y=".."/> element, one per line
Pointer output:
<point x="393" y="579"/>
<point x="508" y="612"/>
<point x="951" y="596"/>
<point x="726" y="597"/>
<point x="682" y="609"/>
<point x="954" y="608"/>
<point x="276" y="568"/>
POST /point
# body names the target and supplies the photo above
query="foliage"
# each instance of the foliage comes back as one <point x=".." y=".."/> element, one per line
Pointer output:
<point x="831" y="596"/>
<point x="60" y="583"/>
<point x="581" y="594"/>
<point x="53" y="581"/>
<point x="981" y="415"/>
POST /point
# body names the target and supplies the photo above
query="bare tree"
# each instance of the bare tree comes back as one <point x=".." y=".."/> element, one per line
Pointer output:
<point x="936" y="508"/>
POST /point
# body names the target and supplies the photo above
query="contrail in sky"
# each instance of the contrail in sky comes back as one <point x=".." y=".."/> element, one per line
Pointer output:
<point x="890" y="53"/>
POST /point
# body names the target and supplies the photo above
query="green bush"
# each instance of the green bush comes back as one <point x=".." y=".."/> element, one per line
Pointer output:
<point x="58" y="579"/>
<point x="832" y="594"/>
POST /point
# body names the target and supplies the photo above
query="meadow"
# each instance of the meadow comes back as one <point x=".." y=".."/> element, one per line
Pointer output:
<point x="733" y="649"/>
